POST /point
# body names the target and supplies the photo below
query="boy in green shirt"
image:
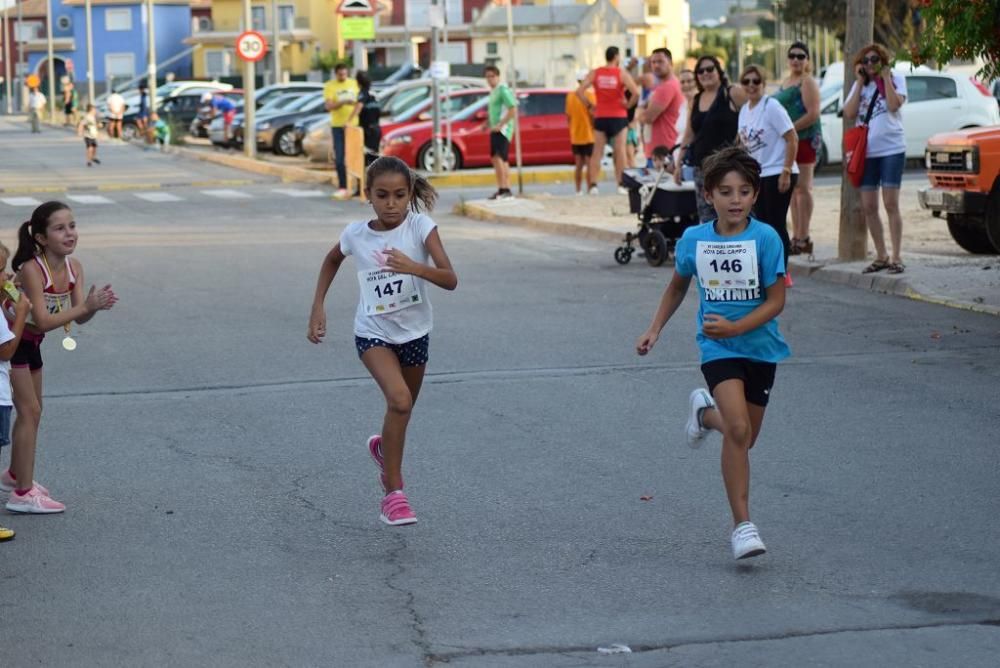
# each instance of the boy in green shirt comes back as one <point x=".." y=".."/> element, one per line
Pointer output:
<point x="502" y="108"/>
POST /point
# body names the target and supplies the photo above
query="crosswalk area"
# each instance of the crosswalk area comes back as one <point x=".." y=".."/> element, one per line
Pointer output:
<point x="130" y="198"/>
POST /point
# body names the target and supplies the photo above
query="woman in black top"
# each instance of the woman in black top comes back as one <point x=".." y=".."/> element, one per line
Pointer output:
<point x="369" y="112"/>
<point x="712" y="124"/>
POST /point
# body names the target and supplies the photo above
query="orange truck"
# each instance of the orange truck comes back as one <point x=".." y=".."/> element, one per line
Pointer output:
<point x="964" y="171"/>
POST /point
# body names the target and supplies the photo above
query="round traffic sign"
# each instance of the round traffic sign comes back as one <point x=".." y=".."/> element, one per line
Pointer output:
<point x="251" y="46"/>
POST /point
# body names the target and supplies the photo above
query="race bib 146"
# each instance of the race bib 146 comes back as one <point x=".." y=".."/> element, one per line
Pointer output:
<point x="727" y="264"/>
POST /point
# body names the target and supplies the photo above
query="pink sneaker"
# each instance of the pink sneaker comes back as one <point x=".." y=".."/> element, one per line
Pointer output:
<point x="33" y="502"/>
<point x="375" y="450"/>
<point x="8" y="485"/>
<point x="396" y="510"/>
<point x="788" y="281"/>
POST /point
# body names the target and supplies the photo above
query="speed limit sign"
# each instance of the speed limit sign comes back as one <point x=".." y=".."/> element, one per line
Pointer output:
<point x="251" y="46"/>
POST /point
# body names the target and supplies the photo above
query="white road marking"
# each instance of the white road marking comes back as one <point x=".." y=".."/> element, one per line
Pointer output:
<point x="293" y="192"/>
<point x="227" y="194"/>
<point x="20" y="201"/>
<point x="158" y="197"/>
<point x="89" y="199"/>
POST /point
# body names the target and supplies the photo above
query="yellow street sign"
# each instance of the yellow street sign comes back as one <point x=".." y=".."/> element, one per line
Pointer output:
<point x="357" y="27"/>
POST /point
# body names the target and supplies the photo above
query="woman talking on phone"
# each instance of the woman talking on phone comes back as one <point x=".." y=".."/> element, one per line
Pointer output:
<point x="880" y="93"/>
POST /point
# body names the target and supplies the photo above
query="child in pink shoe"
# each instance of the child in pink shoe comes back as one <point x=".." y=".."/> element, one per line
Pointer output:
<point x="397" y="253"/>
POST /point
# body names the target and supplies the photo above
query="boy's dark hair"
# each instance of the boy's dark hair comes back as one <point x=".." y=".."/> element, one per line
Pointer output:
<point x="423" y="192"/>
<point x="27" y="247"/>
<point x="730" y="159"/>
<point x="661" y="152"/>
<point x="665" y="51"/>
<point x="339" y="66"/>
<point x="364" y="81"/>
<point x="610" y="53"/>
<point x="491" y="69"/>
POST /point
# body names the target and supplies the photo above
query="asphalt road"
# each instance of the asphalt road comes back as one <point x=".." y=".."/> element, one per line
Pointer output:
<point x="222" y="509"/>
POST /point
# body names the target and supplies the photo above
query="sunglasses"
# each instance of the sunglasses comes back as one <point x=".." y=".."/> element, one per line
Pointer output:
<point x="751" y="81"/>
<point x="871" y="60"/>
<point x="705" y="70"/>
<point x="797" y="56"/>
<point x="685" y="82"/>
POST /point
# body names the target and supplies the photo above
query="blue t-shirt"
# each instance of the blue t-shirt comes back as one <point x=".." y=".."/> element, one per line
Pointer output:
<point x="733" y="300"/>
<point x="223" y="104"/>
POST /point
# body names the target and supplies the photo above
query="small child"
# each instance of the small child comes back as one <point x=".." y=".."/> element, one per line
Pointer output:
<point x="662" y="160"/>
<point x="739" y="263"/>
<point x="87" y="128"/>
<point x="397" y="254"/>
<point x="10" y="338"/>
<point x="161" y="130"/>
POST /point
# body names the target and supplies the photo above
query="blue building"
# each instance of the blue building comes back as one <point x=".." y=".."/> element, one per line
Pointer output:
<point x="120" y="39"/>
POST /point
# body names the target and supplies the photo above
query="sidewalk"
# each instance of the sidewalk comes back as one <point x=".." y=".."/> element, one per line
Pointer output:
<point x="937" y="270"/>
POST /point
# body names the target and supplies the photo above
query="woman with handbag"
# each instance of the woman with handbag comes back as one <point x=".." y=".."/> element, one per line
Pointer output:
<point x="874" y="101"/>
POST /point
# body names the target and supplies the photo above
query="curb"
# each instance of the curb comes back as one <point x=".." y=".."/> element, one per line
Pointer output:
<point x="477" y="212"/>
<point x="112" y="187"/>
<point x="287" y="174"/>
<point x="488" y="179"/>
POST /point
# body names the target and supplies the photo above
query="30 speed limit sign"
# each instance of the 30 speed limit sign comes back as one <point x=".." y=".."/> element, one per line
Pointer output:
<point x="251" y="46"/>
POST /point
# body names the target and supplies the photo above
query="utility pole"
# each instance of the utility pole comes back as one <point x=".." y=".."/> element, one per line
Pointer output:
<point x="435" y="20"/>
<point x="512" y="78"/>
<point x="151" y="69"/>
<point x="90" y="55"/>
<point x="4" y="26"/>
<point x="738" y="15"/>
<point x="276" y="45"/>
<point x="852" y="242"/>
<point x="52" y="64"/>
<point x="21" y="67"/>
<point x="249" y="105"/>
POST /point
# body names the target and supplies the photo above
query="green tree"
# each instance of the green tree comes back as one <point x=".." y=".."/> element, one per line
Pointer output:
<point x="962" y="30"/>
<point x="894" y="25"/>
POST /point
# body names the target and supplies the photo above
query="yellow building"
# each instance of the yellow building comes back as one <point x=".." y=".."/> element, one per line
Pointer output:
<point x="306" y="28"/>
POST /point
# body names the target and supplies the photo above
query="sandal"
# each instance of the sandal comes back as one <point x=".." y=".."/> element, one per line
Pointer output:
<point x="896" y="268"/>
<point x="877" y="265"/>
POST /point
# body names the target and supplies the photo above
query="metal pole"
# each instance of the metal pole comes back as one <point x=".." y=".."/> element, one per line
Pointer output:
<point x="435" y="90"/>
<point x="52" y="65"/>
<point x="249" y="106"/>
<point x="276" y="42"/>
<point x="20" y="55"/>
<point x="512" y="77"/>
<point x="739" y="38"/>
<point x="447" y="84"/>
<point x="90" y="55"/>
<point x="151" y="65"/>
<point x="4" y="26"/>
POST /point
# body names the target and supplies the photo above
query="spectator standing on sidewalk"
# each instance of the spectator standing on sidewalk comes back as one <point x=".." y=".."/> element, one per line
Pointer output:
<point x="712" y="122"/>
<point x="663" y="106"/>
<point x="116" y="112"/>
<point x="689" y="89"/>
<point x="36" y="105"/>
<point x="581" y="136"/>
<point x="368" y="112"/>
<point x="501" y="108"/>
<point x="799" y="95"/>
<point x="610" y="111"/>
<point x="69" y="101"/>
<point x="142" y="117"/>
<point x="884" y="92"/>
<point x="340" y="94"/>
<point x="768" y="134"/>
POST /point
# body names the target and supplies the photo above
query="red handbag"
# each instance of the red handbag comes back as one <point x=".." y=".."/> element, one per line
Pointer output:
<point x="856" y="147"/>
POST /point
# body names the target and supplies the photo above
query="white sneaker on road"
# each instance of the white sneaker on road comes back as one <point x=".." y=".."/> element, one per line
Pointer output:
<point x="594" y="191"/>
<point x="746" y="541"/>
<point x="696" y="431"/>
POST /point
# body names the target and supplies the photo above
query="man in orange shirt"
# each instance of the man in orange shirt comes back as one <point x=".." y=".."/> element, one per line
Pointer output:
<point x="581" y="135"/>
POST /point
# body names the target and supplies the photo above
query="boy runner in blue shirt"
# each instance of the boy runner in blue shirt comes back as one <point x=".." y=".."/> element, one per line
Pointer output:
<point x="739" y="265"/>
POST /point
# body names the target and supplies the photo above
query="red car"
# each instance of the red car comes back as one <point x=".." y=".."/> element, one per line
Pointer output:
<point x="451" y="104"/>
<point x="544" y="135"/>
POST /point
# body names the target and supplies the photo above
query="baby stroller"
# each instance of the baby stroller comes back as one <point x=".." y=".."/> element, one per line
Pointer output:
<point x="664" y="209"/>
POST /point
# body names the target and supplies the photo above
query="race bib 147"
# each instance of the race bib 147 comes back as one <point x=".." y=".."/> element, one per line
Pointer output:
<point x="384" y="291"/>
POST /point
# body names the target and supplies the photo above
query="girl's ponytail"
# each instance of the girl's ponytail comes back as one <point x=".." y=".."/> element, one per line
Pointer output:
<point x="27" y="247"/>
<point x="423" y="193"/>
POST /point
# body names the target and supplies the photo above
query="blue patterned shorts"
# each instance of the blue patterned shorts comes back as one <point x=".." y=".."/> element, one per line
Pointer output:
<point x="411" y="353"/>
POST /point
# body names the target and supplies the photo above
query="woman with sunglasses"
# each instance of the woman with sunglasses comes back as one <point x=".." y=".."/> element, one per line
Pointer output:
<point x="799" y="95"/>
<point x="711" y="124"/>
<point x="766" y="131"/>
<point x="879" y="91"/>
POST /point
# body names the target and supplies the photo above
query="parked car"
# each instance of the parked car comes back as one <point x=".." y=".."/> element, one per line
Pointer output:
<point x="397" y="99"/>
<point x="268" y="93"/>
<point x="274" y="104"/>
<point x="163" y="92"/>
<point x="964" y="171"/>
<point x="543" y="125"/>
<point x="317" y="142"/>
<point x="303" y="127"/>
<point x="936" y="102"/>
<point x="275" y="131"/>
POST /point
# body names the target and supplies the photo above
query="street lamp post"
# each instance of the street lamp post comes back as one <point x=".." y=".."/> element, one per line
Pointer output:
<point x="249" y="84"/>
<point x="4" y="25"/>
<point x="151" y="69"/>
<point x="90" y="55"/>
<point x="512" y="77"/>
<point x="20" y="55"/>
<point x="52" y="65"/>
<point x="276" y="39"/>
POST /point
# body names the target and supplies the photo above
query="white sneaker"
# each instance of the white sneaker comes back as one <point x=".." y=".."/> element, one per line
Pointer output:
<point x="622" y="190"/>
<point x="593" y="190"/>
<point x="746" y="541"/>
<point x="579" y="193"/>
<point x="696" y="431"/>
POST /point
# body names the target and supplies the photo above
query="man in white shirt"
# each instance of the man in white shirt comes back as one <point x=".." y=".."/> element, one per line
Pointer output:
<point x="36" y="103"/>
<point x="116" y="112"/>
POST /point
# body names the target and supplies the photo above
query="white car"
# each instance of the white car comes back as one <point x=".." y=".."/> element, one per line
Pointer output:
<point x="935" y="102"/>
